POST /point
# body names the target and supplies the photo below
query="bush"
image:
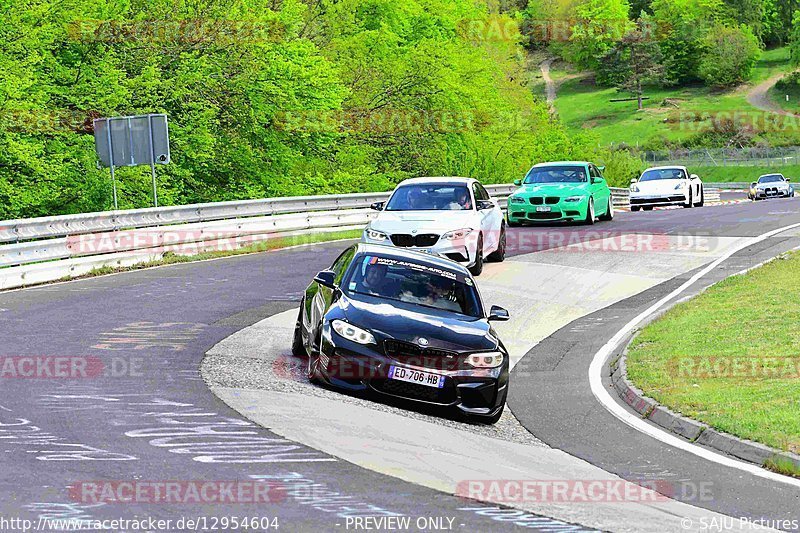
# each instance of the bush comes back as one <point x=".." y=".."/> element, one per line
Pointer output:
<point x="730" y="54"/>
<point x="621" y="166"/>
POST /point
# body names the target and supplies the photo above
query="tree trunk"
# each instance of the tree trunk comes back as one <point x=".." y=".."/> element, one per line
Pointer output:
<point x="639" y="92"/>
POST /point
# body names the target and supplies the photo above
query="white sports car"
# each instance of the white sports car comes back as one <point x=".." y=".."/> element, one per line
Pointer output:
<point x="666" y="186"/>
<point x="451" y="217"/>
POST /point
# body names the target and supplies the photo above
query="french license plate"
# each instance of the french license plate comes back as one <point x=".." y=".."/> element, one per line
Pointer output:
<point x="416" y="376"/>
<point x="543" y="209"/>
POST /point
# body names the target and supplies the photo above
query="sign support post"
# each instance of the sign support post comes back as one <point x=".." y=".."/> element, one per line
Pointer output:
<point x="152" y="161"/>
<point x="111" y="165"/>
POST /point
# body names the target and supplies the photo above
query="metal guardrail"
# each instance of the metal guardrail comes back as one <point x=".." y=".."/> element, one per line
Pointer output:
<point x="64" y="225"/>
<point x="738" y="185"/>
<point x="51" y="248"/>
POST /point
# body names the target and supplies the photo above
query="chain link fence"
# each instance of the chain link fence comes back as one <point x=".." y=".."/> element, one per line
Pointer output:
<point x="723" y="157"/>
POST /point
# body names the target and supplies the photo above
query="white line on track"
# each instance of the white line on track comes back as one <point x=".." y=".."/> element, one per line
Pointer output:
<point x="605" y="399"/>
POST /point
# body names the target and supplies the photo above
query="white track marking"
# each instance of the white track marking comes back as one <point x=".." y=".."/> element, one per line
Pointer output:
<point x="605" y="399"/>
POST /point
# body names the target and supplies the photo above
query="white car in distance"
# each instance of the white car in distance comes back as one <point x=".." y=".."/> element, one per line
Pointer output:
<point x="660" y="186"/>
<point x="451" y="217"/>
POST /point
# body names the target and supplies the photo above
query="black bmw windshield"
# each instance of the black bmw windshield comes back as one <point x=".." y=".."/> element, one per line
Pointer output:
<point x="414" y="283"/>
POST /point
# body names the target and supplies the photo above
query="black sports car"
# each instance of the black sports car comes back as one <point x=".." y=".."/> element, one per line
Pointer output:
<point x="404" y="324"/>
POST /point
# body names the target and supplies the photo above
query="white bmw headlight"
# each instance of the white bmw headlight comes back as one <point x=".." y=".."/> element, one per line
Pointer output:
<point x="375" y="235"/>
<point x="485" y="360"/>
<point x="574" y="198"/>
<point x="457" y="234"/>
<point x="352" y="333"/>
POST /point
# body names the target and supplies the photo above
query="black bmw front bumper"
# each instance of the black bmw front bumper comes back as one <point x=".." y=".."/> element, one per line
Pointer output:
<point x="479" y="392"/>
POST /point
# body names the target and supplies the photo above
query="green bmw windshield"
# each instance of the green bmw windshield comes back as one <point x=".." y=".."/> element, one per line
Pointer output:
<point x="565" y="174"/>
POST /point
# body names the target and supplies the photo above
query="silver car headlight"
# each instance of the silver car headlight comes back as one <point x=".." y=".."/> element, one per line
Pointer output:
<point x="457" y="234"/>
<point x="485" y="360"/>
<point x="352" y="333"/>
<point x="574" y="198"/>
<point x="375" y="235"/>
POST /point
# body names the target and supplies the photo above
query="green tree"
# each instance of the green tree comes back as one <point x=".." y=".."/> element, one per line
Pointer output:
<point x="598" y="25"/>
<point x="731" y="53"/>
<point x="636" y="61"/>
<point x="683" y="26"/>
<point x="794" y="40"/>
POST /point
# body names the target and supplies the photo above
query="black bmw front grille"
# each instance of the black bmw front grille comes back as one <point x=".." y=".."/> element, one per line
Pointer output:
<point x="405" y="240"/>
<point x="445" y="395"/>
<point x="411" y="354"/>
<point x="549" y="200"/>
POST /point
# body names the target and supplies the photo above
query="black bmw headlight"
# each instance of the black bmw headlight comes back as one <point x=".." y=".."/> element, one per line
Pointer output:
<point x="485" y="359"/>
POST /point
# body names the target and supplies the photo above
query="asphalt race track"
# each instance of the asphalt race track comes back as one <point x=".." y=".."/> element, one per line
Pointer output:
<point x="150" y="417"/>
<point x="56" y="433"/>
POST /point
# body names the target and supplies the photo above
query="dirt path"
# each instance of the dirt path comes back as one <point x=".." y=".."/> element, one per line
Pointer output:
<point x="550" y="85"/>
<point x="758" y="96"/>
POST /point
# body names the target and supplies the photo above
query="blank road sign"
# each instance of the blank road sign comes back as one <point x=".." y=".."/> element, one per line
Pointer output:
<point x="137" y="140"/>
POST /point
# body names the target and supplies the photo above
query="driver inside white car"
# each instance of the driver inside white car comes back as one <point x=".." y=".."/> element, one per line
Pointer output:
<point x="461" y="199"/>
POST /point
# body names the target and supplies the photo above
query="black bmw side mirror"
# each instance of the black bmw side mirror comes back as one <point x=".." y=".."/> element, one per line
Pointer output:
<point x="377" y="206"/>
<point x="326" y="278"/>
<point x="497" y="313"/>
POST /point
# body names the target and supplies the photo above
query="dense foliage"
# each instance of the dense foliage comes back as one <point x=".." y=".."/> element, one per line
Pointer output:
<point x="715" y="42"/>
<point x="265" y="98"/>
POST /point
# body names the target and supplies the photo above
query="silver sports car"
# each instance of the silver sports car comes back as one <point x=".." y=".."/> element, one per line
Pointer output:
<point x="771" y="186"/>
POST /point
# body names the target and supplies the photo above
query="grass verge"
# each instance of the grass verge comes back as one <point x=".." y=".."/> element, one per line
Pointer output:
<point x="170" y="258"/>
<point x="746" y="174"/>
<point x="731" y="356"/>
<point x="782" y="466"/>
<point x="583" y="105"/>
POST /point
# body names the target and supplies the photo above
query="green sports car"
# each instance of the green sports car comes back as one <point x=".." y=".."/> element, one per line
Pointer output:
<point x="568" y="190"/>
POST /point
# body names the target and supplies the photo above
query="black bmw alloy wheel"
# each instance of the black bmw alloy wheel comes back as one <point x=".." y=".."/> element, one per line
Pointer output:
<point x="312" y="372"/>
<point x="298" y="347"/>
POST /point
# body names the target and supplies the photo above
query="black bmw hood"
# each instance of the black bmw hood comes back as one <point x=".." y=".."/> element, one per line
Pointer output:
<point x="408" y="322"/>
